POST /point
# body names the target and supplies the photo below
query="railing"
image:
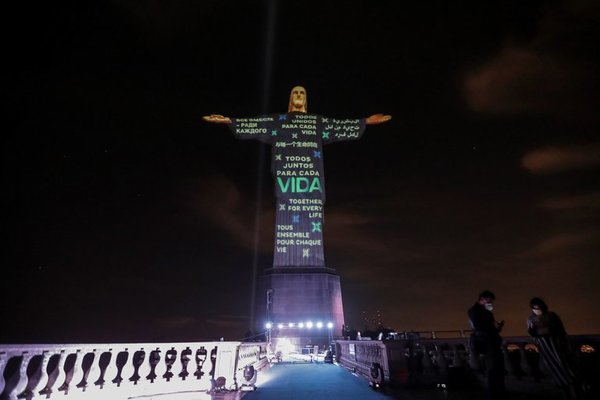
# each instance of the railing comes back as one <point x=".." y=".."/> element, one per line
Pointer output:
<point x="412" y="360"/>
<point x="121" y="371"/>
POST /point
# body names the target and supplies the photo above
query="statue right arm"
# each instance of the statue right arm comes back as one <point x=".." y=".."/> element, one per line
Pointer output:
<point x="378" y="119"/>
<point x="258" y="128"/>
<point x="217" y="119"/>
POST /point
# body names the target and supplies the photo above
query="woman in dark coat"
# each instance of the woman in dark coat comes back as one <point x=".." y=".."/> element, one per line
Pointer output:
<point x="549" y="334"/>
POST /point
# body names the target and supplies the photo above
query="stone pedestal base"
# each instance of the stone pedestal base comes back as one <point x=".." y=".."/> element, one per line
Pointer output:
<point x="304" y="305"/>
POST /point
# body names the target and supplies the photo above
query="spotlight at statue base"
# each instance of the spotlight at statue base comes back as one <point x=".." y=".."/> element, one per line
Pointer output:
<point x="377" y="377"/>
<point x="248" y="379"/>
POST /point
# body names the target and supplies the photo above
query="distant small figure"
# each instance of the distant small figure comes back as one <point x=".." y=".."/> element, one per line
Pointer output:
<point x="486" y="341"/>
<point x="550" y="336"/>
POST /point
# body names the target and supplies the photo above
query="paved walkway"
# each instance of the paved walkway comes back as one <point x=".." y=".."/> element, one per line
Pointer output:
<point x="311" y="381"/>
<point x="319" y="381"/>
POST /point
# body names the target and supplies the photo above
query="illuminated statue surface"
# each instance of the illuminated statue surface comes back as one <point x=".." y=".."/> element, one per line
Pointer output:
<point x="296" y="140"/>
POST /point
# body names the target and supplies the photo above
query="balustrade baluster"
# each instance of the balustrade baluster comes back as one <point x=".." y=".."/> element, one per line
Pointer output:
<point x="110" y="382"/>
<point x="523" y="359"/>
<point x="442" y="361"/>
<point x="71" y="368"/>
<point x="517" y="359"/>
<point x="414" y="364"/>
<point x="532" y="357"/>
<point x="458" y="359"/>
<point x="94" y="372"/>
<point x="161" y="366"/>
<point x="507" y="363"/>
<point x="200" y="358"/>
<point x="137" y="360"/>
<point x="104" y="359"/>
<point x="185" y="359"/>
<point x="128" y="385"/>
<point x="120" y="363"/>
<point x="97" y="377"/>
<point x="170" y="358"/>
<point x="18" y="381"/>
<point x="38" y="376"/>
<point x="56" y="372"/>
<point x="153" y="363"/>
<point x="86" y="366"/>
<point x="111" y="372"/>
<point x="475" y="361"/>
<point x="144" y="368"/>
<point x="2" y="367"/>
<point x="128" y="371"/>
<point x="213" y="362"/>
<point x="429" y="373"/>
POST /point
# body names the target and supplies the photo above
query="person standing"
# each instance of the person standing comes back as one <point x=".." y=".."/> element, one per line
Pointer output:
<point x="487" y="342"/>
<point x="550" y="336"/>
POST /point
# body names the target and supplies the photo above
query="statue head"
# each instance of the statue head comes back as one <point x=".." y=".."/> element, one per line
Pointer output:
<point x="298" y="102"/>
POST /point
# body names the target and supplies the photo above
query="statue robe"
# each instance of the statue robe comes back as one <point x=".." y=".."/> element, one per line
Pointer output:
<point x="296" y="141"/>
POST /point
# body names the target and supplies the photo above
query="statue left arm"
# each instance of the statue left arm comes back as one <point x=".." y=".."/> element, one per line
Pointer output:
<point x="378" y="119"/>
<point x="217" y="119"/>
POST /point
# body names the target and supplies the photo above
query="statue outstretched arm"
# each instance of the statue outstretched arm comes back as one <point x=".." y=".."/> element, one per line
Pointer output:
<point x="378" y="119"/>
<point x="217" y="119"/>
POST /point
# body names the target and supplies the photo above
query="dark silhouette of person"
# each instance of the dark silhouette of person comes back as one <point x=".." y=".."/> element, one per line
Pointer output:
<point x="486" y="342"/>
<point x="550" y="336"/>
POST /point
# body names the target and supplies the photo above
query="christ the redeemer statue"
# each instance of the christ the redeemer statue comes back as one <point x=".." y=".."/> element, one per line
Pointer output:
<point x="297" y="140"/>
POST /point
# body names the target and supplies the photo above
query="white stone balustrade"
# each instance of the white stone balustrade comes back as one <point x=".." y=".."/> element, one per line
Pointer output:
<point x="121" y="371"/>
<point x="415" y="359"/>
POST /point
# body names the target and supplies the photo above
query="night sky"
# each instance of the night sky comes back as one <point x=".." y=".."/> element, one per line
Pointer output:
<point x="128" y="218"/>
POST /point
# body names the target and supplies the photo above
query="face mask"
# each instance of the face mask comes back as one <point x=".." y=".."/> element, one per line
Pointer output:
<point x="489" y="306"/>
<point x="537" y="312"/>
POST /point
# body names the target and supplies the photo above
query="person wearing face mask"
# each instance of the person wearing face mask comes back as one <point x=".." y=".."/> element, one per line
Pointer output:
<point x="550" y="336"/>
<point x="486" y="342"/>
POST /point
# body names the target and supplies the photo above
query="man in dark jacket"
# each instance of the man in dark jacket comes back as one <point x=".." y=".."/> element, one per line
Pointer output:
<point x="487" y="342"/>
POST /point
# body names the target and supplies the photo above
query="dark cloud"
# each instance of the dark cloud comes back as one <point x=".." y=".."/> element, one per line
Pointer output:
<point x="552" y="160"/>
<point x="549" y="74"/>
<point x="589" y="202"/>
<point x="517" y="81"/>
<point x="565" y="243"/>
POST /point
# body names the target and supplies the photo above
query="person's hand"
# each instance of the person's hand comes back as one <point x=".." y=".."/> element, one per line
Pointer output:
<point x="378" y="119"/>
<point x="217" y="119"/>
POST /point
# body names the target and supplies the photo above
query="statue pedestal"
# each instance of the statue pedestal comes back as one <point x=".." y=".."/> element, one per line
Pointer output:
<point x="304" y="305"/>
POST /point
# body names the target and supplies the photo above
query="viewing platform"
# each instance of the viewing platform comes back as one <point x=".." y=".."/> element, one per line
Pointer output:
<point x="410" y="367"/>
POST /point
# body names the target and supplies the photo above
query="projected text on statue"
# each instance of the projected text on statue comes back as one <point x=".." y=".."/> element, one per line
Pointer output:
<point x="296" y="139"/>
